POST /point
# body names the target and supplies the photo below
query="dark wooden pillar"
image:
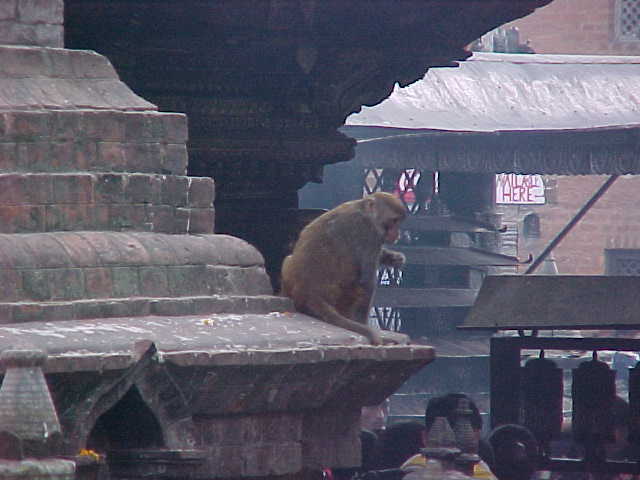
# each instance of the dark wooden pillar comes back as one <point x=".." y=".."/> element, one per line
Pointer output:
<point x="505" y="380"/>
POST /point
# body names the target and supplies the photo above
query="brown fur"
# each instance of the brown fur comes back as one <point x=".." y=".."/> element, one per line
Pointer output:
<point x="331" y="273"/>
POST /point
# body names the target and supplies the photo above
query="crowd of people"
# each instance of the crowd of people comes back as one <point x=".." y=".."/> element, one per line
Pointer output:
<point x="392" y="452"/>
<point x="400" y="450"/>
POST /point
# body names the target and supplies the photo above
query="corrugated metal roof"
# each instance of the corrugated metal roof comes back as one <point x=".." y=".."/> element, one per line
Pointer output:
<point x="510" y="113"/>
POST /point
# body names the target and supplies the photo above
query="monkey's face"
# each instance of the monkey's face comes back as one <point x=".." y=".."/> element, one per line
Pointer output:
<point x="392" y="229"/>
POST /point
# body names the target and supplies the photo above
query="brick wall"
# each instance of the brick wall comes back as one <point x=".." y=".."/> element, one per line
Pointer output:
<point x="31" y="22"/>
<point x="575" y="27"/>
<point x="614" y="221"/>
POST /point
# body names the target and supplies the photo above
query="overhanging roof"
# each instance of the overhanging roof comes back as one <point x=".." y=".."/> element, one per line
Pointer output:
<point x="553" y="114"/>
<point x="507" y="302"/>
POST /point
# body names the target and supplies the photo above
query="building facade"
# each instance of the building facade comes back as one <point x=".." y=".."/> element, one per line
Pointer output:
<point x="607" y="239"/>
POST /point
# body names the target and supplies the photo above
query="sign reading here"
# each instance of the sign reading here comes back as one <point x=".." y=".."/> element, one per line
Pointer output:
<point x="512" y="189"/>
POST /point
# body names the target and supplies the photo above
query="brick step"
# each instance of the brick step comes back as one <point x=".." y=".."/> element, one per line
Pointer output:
<point x="32" y="203"/>
<point x="93" y="141"/>
<point x="19" y="312"/>
<point x="67" y="266"/>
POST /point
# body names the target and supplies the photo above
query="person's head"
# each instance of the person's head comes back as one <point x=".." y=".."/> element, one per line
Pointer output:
<point x="515" y="452"/>
<point x="374" y="417"/>
<point x="445" y="406"/>
<point x="398" y="442"/>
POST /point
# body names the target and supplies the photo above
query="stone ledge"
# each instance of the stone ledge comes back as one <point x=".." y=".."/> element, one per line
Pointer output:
<point x="120" y="249"/>
<point x="52" y="78"/>
<point x="21" y="312"/>
<point x="49" y="469"/>
<point x="282" y="338"/>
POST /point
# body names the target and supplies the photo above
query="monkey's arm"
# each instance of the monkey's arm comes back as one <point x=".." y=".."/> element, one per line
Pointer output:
<point x="392" y="258"/>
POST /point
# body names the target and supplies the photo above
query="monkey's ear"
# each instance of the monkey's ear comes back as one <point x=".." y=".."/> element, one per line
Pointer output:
<point x="368" y="204"/>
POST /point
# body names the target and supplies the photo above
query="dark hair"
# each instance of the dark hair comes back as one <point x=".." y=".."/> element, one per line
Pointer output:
<point x="398" y="442"/>
<point x="445" y="406"/>
<point x="515" y="452"/>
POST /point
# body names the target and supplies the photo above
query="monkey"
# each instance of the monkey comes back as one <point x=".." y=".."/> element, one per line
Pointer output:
<point x="331" y="273"/>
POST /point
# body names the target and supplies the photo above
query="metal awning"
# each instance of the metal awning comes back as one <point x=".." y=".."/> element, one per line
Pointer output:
<point x="467" y="256"/>
<point x="523" y="113"/>
<point x="516" y="302"/>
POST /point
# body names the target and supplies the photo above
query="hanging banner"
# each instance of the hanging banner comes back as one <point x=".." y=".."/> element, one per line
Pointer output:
<point x="514" y="189"/>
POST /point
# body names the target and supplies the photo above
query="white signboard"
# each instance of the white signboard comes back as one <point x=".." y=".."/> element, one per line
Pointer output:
<point x="516" y="189"/>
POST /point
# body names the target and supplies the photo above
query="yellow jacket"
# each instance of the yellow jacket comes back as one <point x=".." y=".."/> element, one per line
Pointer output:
<point x="480" y="470"/>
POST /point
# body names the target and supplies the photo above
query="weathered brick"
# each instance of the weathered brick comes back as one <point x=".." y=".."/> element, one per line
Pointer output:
<point x="40" y="11"/>
<point x="158" y="248"/>
<point x="22" y="62"/>
<point x="175" y="190"/>
<point x="62" y="156"/>
<point x="187" y="280"/>
<point x="27" y="126"/>
<point x="143" y="157"/>
<point x="175" y="159"/>
<point x="35" y="285"/>
<point x="12" y="189"/>
<point x="6" y="313"/>
<point x="8" y="156"/>
<point x="153" y="281"/>
<point x="127" y="217"/>
<point x="21" y="218"/>
<point x="105" y="126"/>
<point x="100" y="217"/>
<point x="34" y="157"/>
<point x="66" y="283"/>
<point x="86" y="156"/>
<point x="138" y="127"/>
<point x="161" y="217"/>
<point x="201" y="220"/>
<point x="208" y="304"/>
<point x="171" y="307"/>
<point x="14" y="252"/>
<point x="46" y="250"/>
<point x="10" y="285"/>
<point x="125" y="281"/>
<point x="65" y="125"/>
<point x="109" y="188"/>
<point x="201" y="192"/>
<point x="175" y="127"/>
<point x="73" y="188"/>
<point x="69" y="217"/>
<point x="31" y="312"/>
<point x="111" y="157"/>
<point x="89" y="64"/>
<point x="181" y="220"/>
<point x="39" y="189"/>
<point x="101" y="309"/>
<point x="142" y="189"/>
<point x="8" y="10"/>
<point x="98" y="282"/>
<point x="48" y="35"/>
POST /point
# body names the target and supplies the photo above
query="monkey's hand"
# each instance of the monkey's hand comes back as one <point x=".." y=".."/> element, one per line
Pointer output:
<point x="391" y="258"/>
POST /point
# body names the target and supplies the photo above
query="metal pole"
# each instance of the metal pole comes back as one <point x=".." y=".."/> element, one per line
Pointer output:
<point x="563" y="233"/>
